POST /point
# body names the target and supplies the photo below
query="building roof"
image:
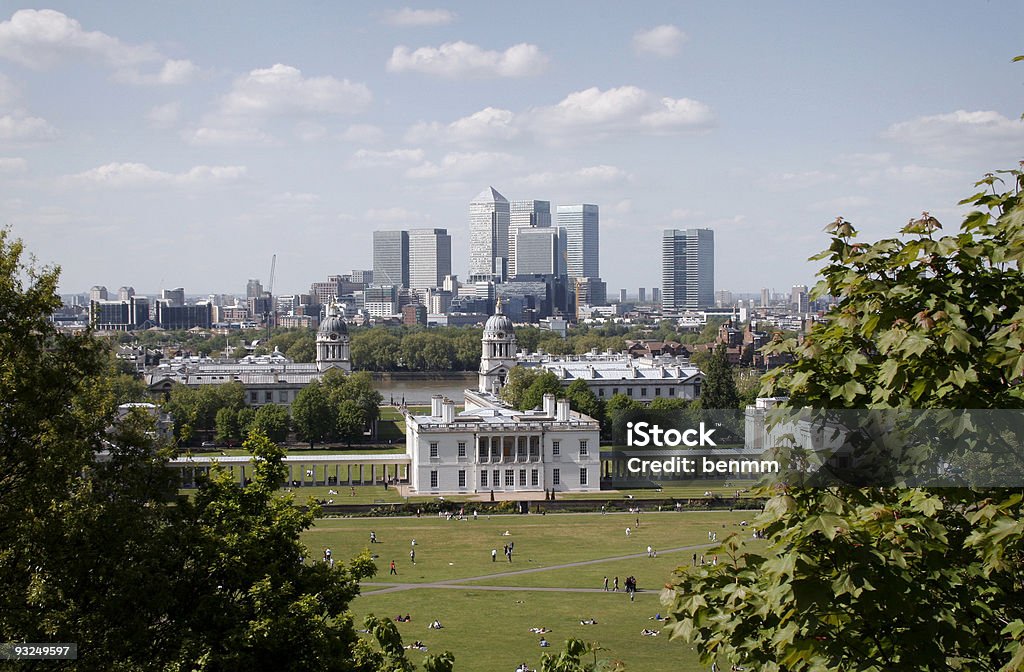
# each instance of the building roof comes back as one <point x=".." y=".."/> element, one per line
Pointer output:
<point x="489" y="195"/>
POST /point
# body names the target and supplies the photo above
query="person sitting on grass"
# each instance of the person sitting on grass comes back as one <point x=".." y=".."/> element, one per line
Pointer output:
<point x="435" y="625"/>
<point x="544" y="643"/>
<point x="588" y="621"/>
<point x="649" y="633"/>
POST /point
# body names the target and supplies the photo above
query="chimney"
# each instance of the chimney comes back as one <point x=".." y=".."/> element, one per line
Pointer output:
<point x="435" y="405"/>
<point x="448" y="411"/>
<point x="549" y="405"/>
<point x="562" y="414"/>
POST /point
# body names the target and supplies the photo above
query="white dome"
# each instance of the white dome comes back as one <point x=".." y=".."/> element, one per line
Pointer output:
<point x="332" y="324"/>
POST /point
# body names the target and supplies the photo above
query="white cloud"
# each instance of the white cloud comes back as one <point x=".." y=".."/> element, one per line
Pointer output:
<point x="685" y="214"/>
<point x="365" y="134"/>
<point x="18" y="127"/>
<point x="958" y="133"/>
<point x="282" y="90"/>
<point x="370" y="157"/>
<point x="840" y="205"/>
<point x="11" y="165"/>
<point x="8" y="91"/>
<point x="922" y="174"/>
<point x="662" y="40"/>
<point x="488" y="124"/>
<point x="395" y="214"/>
<point x="583" y="177"/>
<point x="309" y="131"/>
<point x="41" y="39"/>
<point x="863" y="160"/>
<point x="460" y="164"/>
<point x="136" y="175"/>
<point x="419" y="17"/>
<point x="627" y="108"/>
<point x="461" y="59"/>
<point x="218" y="136"/>
<point x="164" y="116"/>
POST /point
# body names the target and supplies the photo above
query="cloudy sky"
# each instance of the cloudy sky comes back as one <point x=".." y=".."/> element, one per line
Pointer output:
<point x="183" y="144"/>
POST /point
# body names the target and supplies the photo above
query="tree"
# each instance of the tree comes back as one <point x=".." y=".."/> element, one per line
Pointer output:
<point x="583" y="400"/>
<point x="252" y="602"/>
<point x="545" y="383"/>
<point x="888" y="578"/>
<point x="313" y="415"/>
<point x="375" y="350"/>
<point x="718" y="391"/>
<point x="226" y="426"/>
<point x="427" y="351"/>
<point x="351" y="421"/>
<point x="519" y="380"/>
<point x="572" y="659"/>
<point x="272" y="420"/>
<point x="357" y="388"/>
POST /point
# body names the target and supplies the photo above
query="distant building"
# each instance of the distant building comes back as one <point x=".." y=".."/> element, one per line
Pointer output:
<point x="489" y="215"/>
<point x="98" y="293"/>
<point x="656" y="294"/>
<point x="127" y="315"/>
<point x="253" y="288"/>
<point x="173" y="297"/>
<point x="582" y="243"/>
<point x="430" y="258"/>
<point x="415" y="314"/>
<point x="622" y="296"/>
<point x="391" y="258"/>
<point x="381" y="300"/>
<point x="688" y="269"/>
<point x="177" y="317"/>
<point x="641" y="295"/>
<point x="489" y="447"/>
<point x="541" y="252"/>
<point x="525" y="215"/>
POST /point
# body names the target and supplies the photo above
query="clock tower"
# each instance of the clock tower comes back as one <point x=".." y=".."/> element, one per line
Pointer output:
<point x="498" y="354"/>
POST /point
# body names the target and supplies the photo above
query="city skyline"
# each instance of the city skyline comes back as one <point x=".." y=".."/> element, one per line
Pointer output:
<point x="178" y="146"/>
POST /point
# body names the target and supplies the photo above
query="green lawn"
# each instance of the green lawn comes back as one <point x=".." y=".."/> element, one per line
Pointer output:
<point x="487" y="619"/>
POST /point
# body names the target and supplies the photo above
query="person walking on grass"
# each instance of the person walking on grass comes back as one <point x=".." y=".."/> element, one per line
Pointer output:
<point x="606" y="584"/>
<point x="393" y="570"/>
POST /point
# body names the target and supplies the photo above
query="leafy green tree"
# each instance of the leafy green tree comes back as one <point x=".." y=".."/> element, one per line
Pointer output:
<point x="272" y="420"/>
<point x="668" y="404"/>
<point x="427" y="351"/>
<point x="197" y="407"/>
<point x="246" y="416"/>
<point x="888" y="578"/>
<point x="718" y="390"/>
<point x="583" y="400"/>
<point x="619" y="403"/>
<point x="226" y="426"/>
<point x="375" y="350"/>
<point x="573" y="659"/>
<point x="303" y="349"/>
<point x="358" y="388"/>
<point x="545" y="383"/>
<point x="313" y="414"/>
<point x="519" y="380"/>
<point x="351" y="421"/>
<point x="252" y="602"/>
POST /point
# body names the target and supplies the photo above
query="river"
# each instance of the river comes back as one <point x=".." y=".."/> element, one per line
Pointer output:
<point x="418" y="388"/>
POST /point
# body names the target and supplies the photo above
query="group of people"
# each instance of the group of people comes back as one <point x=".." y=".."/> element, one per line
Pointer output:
<point x="508" y="552"/>
<point x="403" y="619"/>
<point x="631" y="587"/>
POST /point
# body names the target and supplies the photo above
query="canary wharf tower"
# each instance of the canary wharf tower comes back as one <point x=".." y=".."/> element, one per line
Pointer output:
<point x="488" y="234"/>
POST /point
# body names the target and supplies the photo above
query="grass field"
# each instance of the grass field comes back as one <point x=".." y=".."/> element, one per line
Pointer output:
<point x="554" y="581"/>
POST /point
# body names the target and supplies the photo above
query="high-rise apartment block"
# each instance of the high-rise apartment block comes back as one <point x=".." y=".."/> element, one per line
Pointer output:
<point x="174" y="297"/>
<point x="488" y="234"/>
<point x="525" y="215"/>
<point x="253" y="289"/>
<point x="656" y="294"/>
<point x="391" y="258"/>
<point x="430" y="258"/>
<point x="582" y="242"/>
<point x="688" y="269"/>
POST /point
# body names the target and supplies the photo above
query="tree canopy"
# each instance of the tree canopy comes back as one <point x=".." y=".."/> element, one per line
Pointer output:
<point x="887" y="578"/>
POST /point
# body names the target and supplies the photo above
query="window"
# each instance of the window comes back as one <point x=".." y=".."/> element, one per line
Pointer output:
<point x="643" y="391"/>
<point x="556" y="478"/>
<point x="671" y="391"/>
<point x="433" y="449"/>
<point x="629" y="391"/>
<point x="510" y="480"/>
<point x="556" y="447"/>
<point x="462" y="478"/>
<point x="253" y="397"/>
<point x="268" y="396"/>
<point x="583" y="447"/>
<point x="696" y="390"/>
<point x="521" y="449"/>
<point x="483" y="479"/>
<point x="615" y="391"/>
<point x="482" y="449"/>
<point x="600" y="391"/>
<point x="495" y="476"/>
<point x="522" y="477"/>
<point x="433" y="479"/>
<point x="657" y="391"/>
<point x="534" y="447"/>
<point x="534" y="478"/>
<point x="282" y="396"/>
<point x="583" y="475"/>
<point x="462" y="449"/>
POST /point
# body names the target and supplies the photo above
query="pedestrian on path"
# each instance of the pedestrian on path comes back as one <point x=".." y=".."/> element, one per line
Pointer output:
<point x="615" y="585"/>
<point x="494" y="555"/>
<point x="606" y="584"/>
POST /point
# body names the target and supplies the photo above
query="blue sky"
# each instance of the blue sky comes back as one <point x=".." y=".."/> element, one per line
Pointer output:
<point x="184" y="144"/>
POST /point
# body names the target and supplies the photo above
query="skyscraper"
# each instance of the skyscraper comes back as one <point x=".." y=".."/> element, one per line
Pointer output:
<point x="391" y="258"/>
<point x="581" y="244"/>
<point x="688" y="269"/>
<point x="541" y="251"/>
<point x="488" y="234"/>
<point x="430" y="258"/>
<point x="525" y="215"/>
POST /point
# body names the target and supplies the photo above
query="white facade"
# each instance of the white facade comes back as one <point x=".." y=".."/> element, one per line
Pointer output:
<point x="606" y="375"/>
<point x="524" y="215"/>
<point x="498" y="352"/>
<point x="489" y="447"/>
<point x="332" y="343"/>
<point x="582" y="243"/>
<point x="488" y="232"/>
<point x="430" y="258"/>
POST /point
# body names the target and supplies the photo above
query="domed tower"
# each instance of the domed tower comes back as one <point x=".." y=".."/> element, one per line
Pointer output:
<point x="332" y="351"/>
<point x="498" y="355"/>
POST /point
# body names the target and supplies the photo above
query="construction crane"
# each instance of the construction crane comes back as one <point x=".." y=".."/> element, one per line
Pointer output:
<point x="271" y="308"/>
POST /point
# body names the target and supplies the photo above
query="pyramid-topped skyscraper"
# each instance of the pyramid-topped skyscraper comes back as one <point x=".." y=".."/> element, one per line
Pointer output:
<point x="488" y="234"/>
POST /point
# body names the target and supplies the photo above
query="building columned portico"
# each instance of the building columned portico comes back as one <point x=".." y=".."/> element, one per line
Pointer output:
<point x="305" y="469"/>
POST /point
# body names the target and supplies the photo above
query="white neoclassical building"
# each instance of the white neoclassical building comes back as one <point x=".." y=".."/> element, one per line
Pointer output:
<point x="490" y="447"/>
